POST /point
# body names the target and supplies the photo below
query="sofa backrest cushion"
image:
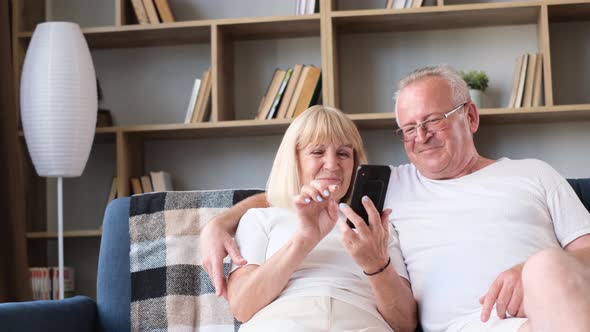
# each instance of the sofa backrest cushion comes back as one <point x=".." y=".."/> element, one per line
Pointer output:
<point x="170" y="290"/>
<point x="113" y="284"/>
<point x="582" y="189"/>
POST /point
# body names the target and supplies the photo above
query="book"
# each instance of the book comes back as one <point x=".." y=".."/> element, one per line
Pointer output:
<point x="69" y="284"/>
<point x="135" y="186"/>
<point x="45" y="282"/>
<point x="140" y="12"/>
<point x="515" y="81"/>
<point x="312" y="79"/>
<point x="399" y="4"/>
<point x="389" y="4"/>
<point x="200" y="96"/>
<point x="150" y="9"/>
<point x="271" y="93"/>
<point x="310" y="6"/>
<point x="527" y="100"/>
<point x="205" y="102"/>
<point x="417" y="3"/>
<point x="113" y="190"/>
<point x="146" y="184"/>
<point x="299" y="7"/>
<point x="104" y="118"/>
<point x="191" y="104"/>
<point x="521" y="81"/>
<point x="297" y="93"/>
<point x="161" y="181"/>
<point x="164" y="11"/>
<point x="279" y="96"/>
<point x="289" y="90"/>
<point x="259" y="107"/>
<point x="537" y="90"/>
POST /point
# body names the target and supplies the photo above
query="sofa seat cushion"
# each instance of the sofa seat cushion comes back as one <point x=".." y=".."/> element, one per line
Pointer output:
<point x="170" y="290"/>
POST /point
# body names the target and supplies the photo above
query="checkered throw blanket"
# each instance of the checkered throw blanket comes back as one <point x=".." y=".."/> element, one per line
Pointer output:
<point x="170" y="290"/>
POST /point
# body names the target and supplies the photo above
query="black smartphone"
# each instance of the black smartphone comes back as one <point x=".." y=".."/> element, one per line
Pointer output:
<point x="370" y="180"/>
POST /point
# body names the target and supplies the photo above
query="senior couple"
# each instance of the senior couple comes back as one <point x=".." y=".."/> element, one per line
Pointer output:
<point x="464" y="243"/>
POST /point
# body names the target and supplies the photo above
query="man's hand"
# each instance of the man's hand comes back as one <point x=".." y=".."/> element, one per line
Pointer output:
<point x="216" y="243"/>
<point x="507" y="293"/>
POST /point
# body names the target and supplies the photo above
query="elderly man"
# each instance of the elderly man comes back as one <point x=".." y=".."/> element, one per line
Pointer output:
<point x="475" y="233"/>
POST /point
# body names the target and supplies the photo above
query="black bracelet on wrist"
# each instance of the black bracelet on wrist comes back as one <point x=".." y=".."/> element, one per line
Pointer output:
<point x="380" y="270"/>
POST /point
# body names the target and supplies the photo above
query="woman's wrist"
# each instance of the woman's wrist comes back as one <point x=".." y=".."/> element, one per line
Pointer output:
<point x="378" y="270"/>
<point x="304" y="241"/>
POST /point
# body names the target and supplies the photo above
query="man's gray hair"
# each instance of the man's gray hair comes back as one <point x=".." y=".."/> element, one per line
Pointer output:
<point x="460" y="92"/>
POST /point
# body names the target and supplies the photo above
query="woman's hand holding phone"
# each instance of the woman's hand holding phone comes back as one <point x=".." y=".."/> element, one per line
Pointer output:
<point x="367" y="243"/>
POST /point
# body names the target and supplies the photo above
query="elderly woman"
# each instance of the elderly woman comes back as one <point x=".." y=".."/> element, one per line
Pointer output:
<point x="303" y="272"/>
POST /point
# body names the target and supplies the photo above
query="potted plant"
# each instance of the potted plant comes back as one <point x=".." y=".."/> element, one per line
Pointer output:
<point x="477" y="81"/>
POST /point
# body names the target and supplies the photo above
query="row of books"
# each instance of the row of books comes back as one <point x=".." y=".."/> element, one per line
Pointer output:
<point x="155" y="182"/>
<point x="152" y="11"/>
<point x="400" y="4"/>
<point x="45" y="282"/>
<point x="305" y="7"/>
<point x="290" y="92"/>
<point x="526" y="82"/>
<point x="199" y="106"/>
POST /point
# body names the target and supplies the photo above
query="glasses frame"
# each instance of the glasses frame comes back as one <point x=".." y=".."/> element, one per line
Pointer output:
<point x="399" y="132"/>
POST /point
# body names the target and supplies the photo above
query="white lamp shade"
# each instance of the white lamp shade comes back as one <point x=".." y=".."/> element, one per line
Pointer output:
<point x="58" y="99"/>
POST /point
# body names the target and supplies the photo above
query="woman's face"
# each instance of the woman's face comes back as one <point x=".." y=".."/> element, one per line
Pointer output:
<point x="328" y="163"/>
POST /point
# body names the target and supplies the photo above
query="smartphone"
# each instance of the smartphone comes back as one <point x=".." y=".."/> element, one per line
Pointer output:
<point x="372" y="181"/>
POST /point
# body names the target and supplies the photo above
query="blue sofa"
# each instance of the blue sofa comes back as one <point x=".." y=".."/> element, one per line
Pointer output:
<point x="111" y="311"/>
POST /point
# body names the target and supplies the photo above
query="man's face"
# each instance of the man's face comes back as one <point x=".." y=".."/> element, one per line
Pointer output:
<point x="445" y="153"/>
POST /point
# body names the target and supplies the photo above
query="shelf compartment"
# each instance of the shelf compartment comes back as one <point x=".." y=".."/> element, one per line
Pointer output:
<point x="569" y="43"/>
<point x="270" y="27"/>
<point x="190" y="32"/>
<point x="569" y="12"/>
<point x="491" y="116"/>
<point x="363" y="121"/>
<point x="67" y="234"/>
<point x="433" y="18"/>
<point x="209" y="129"/>
<point x="128" y="36"/>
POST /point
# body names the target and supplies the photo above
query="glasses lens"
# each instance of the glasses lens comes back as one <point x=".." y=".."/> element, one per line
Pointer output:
<point x="399" y="133"/>
<point x="434" y="124"/>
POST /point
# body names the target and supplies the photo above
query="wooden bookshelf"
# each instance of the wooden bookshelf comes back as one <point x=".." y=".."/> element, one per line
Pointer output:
<point x="222" y="36"/>
<point x="436" y="17"/>
<point x="222" y="32"/>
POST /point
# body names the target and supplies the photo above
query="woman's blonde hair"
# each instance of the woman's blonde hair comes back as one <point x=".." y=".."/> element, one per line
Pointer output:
<point x="318" y="124"/>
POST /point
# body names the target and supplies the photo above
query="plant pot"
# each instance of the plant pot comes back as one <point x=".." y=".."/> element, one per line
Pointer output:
<point x="476" y="97"/>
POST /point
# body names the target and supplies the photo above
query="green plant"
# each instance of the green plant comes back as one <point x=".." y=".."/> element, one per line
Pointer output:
<point x="477" y="80"/>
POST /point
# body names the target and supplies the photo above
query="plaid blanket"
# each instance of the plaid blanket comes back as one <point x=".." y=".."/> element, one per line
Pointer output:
<point x="170" y="290"/>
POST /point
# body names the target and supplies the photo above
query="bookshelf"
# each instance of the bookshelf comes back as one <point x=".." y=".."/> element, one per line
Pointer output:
<point x="355" y="42"/>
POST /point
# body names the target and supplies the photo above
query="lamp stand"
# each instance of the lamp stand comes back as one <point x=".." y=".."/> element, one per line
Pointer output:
<point x="60" y="236"/>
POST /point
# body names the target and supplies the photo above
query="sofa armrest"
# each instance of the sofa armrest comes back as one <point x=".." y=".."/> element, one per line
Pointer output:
<point x="73" y="314"/>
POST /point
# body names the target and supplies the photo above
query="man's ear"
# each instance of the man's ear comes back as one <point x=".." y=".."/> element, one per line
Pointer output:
<point x="472" y="116"/>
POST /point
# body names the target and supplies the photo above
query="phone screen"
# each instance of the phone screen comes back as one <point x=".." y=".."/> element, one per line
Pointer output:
<point x="373" y="189"/>
<point x="372" y="181"/>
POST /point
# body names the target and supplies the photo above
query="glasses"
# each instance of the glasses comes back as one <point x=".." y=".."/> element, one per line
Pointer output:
<point x="432" y="125"/>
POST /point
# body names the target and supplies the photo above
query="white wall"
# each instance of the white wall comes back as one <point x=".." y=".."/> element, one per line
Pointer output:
<point x="372" y="64"/>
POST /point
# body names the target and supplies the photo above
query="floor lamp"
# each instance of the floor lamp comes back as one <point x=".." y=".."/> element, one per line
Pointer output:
<point x="58" y="101"/>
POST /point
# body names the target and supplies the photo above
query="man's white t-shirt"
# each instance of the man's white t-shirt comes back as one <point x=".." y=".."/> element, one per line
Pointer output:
<point x="327" y="270"/>
<point x="458" y="235"/>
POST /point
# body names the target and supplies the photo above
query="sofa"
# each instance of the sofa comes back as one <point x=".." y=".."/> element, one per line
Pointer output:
<point x="113" y="307"/>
